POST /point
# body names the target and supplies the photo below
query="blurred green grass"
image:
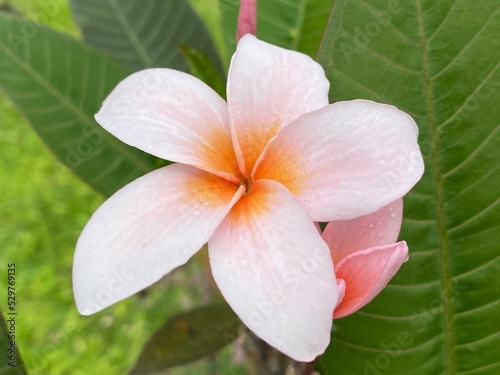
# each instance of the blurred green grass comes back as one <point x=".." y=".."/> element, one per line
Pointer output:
<point x="43" y="209"/>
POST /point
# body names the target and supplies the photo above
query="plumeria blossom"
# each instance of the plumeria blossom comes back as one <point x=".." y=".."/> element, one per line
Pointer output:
<point x="366" y="255"/>
<point x="251" y="176"/>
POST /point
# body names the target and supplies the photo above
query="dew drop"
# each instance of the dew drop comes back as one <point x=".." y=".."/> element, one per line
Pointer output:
<point x="380" y="234"/>
<point x="379" y="223"/>
<point x="393" y="214"/>
<point x="371" y="225"/>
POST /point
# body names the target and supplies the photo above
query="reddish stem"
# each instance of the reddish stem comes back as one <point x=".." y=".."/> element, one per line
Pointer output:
<point x="247" y="18"/>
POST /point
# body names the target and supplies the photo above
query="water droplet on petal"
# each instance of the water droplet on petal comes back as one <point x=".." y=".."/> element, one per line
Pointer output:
<point x="379" y="223"/>
<point x="380" y="234"/>
<point x="393" y="214"/>
<point x="371" y="225"/>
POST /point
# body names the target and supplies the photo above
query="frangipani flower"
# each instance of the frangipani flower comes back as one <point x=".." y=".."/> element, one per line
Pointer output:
<point x="251" y="176"/>
<point x="365" y="255"/>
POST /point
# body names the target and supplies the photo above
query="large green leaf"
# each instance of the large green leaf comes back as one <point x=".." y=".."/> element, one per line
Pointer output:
<point x="292" y="24"/>
<point x="58" y="84"/>
<point x="12" y="363"/>
<point x="144" y="34"/>
<point x="438" y="61"/>
<point x="188" y="337"/>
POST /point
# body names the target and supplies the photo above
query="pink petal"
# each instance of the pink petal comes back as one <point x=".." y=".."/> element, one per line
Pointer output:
<point x="345" y="237"/>
<point x="346" y="160"/>
<point x="275" y="271"/>
<point x="341" y="288"/>
<point x="269" y="87"/>
<point x="366" y="273"/>
<point x="174" y="116"/>
<point x="247" y="18"/>
<point x="145" y="230"/>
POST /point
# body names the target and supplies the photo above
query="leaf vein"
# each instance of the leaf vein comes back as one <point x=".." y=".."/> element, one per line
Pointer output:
<point x="467" y="46"/>
<point x="477" y="269"/>
<point x="476" y="216"/>
<point x="129" y="32"/>
<point x="470" y="97"/>
<point x="473" y="154"/>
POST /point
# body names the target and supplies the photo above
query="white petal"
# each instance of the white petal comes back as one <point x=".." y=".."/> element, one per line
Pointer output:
<point x="275" y="271"/>
<point x="174" y="116"/>
<point x="145" y="230"/>
<point x="347" y="159"/>
<point x="268" y="87"/>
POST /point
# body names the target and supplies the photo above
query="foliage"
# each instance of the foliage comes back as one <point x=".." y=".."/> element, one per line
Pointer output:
<point x="187" y="337"/>
<point x="143" y="35"/>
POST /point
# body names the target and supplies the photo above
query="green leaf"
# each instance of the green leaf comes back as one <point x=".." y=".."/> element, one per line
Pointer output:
<point x="202" y="68"/>
<point x="58" y="84"/>
<point x="144" y="34"/>
<point x="439" y="62"/>
<point x="12" y="363"/>
<point x="228" y="10"/>
<point x="295" y="24"/>
<point x="292" y="24"/>
<point x="209" y="11"/>
<point x="188" y="337"/>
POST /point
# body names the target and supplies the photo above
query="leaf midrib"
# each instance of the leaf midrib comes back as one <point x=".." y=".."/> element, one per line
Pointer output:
<point x="449" y="364"/>
<point x="299" y="25"/>
<point x="132" y="37"/>
<point x="77" y="111"/>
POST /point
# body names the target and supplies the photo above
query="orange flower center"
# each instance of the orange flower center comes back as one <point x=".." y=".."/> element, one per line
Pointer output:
<point x="247" y="183"/>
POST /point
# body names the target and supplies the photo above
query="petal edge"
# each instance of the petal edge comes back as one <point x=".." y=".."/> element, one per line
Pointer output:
<point x="366" y="273"/>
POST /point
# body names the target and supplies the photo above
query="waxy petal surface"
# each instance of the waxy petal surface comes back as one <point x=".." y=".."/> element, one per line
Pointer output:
<point x="174" y="116"/>
<point x="268" y="87"/>
<point x="346" y="160"/>
<point x="345" y="237"/>
<point x="366" y="273"/>
<point x="145" y="230"/>
<point x="275" y="271"/>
